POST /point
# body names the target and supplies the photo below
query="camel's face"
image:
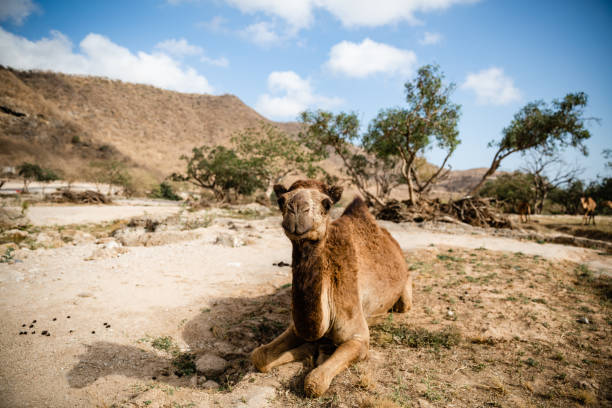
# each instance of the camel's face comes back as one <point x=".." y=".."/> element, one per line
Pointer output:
<point x="305" y="212"/>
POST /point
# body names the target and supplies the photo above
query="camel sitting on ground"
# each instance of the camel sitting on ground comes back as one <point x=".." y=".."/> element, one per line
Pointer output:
<point x="588" y="205"/>
<point x="524" y="210"/>
<point x="344" y="272"/>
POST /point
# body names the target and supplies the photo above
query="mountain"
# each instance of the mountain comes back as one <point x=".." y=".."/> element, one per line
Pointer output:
<point x="66" y="121"/>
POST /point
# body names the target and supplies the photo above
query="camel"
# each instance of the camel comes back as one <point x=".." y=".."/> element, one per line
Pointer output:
<point x="524" y="210"/>
<point x="344" y="272"/>
<point x="588" y="205"/>
<point x="608" y="203"/>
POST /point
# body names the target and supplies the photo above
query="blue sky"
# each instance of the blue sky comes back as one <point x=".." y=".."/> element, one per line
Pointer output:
<point x="281" y="57"/>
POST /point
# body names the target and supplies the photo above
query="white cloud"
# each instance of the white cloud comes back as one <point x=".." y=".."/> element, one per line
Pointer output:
<point x="218" y="62"/>
<point x="16" y="10"/>
<point x="297" y="13"/>
<point x="99" y="56"/>
<point x="492" y="87"/>
<point x="352" y="13"/>
<point x="179" y="47"/>
<point x="368" y="58"/>
<point x="216" y="24"/>
<point x="262" y="34"/>
<point x="430" y="38"/>
<point x="293" y="95"/>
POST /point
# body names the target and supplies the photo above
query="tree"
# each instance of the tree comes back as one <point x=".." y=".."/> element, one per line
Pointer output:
<point x="546" y="128"/>
<point x="404" y="134"/>
<point x="221" y="171"/>
<point x="511" y="189"/>
<point x="326" y="133"/>
<point x="568" y="197"/>
<point x="30" y="172"/>
<point x="275" y="154"/>
<point x="112" y="172"/>
<point x="548" y="172"/>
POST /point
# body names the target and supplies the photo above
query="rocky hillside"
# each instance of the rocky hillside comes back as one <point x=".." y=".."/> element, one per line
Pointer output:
<point x="65" y="121"/>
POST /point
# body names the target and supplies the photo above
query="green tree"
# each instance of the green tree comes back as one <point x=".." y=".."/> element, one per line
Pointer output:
<point x="30" y="172"/>
<point x="546" y="128"/>
<point x="510" y="189"/>
<point x="221" y="171"/>
<point x="275" y="154"/>
<point x="404" y="134"/>
<point x="326" y="133"/>
<point x="568" y="197"/>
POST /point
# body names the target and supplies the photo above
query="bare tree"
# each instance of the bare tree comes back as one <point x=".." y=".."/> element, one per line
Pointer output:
<point x="549" y="171"/>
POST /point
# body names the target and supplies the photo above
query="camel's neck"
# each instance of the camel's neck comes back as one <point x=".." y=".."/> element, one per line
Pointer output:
<point x="310" y="290"/>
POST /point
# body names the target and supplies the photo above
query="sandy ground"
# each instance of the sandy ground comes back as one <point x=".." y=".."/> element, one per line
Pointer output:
<point x="154" y="291"/>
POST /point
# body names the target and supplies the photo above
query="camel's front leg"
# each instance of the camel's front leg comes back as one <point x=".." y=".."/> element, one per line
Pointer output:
<point x="285" y="348"/>
<point x="317" y="382"/>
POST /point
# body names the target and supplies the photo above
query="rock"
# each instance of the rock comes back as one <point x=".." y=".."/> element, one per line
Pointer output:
<point x="111" y="249"/>
<point x="256" y="397"/>
<point x="210" y="385"/>
<point x="229" y="240"/>
<point x="77" y="237"/>
<point x="211" y="365"/>
<point x="12" y="218"/>
<point x="14" y="235"/>
<point x="584" y="320"/>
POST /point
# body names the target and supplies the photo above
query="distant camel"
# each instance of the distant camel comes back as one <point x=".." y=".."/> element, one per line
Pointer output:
<point x="524" y="210"/>
<point x="588" y="205"/>
<point x="608" y="203"/>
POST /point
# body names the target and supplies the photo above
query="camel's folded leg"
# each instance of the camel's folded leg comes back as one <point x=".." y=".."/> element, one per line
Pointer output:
<point x="285" y="348"/>
<point x="318" y="380"/>
<point x="404" y="303"/>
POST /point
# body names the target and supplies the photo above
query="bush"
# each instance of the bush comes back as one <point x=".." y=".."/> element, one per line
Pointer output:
<point x="164" y="191"/>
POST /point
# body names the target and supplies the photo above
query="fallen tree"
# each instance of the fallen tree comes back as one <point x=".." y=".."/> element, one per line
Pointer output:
<point x="475" y="211"/>
<point x="84" y="197"/>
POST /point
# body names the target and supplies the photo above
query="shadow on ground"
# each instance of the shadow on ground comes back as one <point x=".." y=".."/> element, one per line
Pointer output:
<point x="230" y="329"/>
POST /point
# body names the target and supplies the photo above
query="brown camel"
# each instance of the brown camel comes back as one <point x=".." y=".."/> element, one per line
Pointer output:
<point x="524" y="210"/>
<point x="608" y="203"/>
<point x="588" y="205"/>
<point x="344" y="272"/>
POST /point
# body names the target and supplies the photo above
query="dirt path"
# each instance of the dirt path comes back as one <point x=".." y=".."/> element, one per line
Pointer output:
<point x="151" y="292"/>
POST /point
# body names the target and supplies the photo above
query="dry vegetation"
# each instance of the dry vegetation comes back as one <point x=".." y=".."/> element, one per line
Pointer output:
<point x="487" y="329"/>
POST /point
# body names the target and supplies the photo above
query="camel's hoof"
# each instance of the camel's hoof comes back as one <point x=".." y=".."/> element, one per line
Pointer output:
<point x="315" y="384"/>
<point x="259" y="360"/>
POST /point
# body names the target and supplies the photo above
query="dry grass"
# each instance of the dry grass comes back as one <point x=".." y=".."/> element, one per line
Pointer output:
<point x="573" y="225"/>
<point x="512" y="339"/>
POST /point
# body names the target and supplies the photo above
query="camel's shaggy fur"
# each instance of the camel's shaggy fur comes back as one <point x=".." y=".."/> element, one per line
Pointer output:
<point x="344" y="272"/>
<point x="588" y="205"/>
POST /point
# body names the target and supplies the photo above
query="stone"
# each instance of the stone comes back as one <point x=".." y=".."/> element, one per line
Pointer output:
<point x="256" y="397"/>
<point x="210" y="385"/>
<point x="229" y="240"/>
<point x="211" y="365"/>
<point x="14" y="235"/>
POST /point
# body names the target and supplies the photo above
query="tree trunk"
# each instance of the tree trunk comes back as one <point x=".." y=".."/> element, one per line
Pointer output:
<point x="484" y="178"/>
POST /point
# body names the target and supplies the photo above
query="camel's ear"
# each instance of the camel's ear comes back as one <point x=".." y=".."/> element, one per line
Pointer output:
<point x="279" y="190"/>
<point x="335" y="192"/>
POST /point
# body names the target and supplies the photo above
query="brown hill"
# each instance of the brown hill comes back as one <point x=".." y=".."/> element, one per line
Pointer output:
<point x="65" y="121"/>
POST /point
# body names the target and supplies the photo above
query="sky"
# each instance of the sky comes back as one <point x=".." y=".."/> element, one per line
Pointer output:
<point x="282" y="57"/>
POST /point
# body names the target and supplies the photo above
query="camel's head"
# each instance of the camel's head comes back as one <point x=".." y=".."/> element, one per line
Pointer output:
<point x="305" y="207"/>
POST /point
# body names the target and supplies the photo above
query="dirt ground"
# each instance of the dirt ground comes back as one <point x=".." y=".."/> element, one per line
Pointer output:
<point x="131" y="306"/>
